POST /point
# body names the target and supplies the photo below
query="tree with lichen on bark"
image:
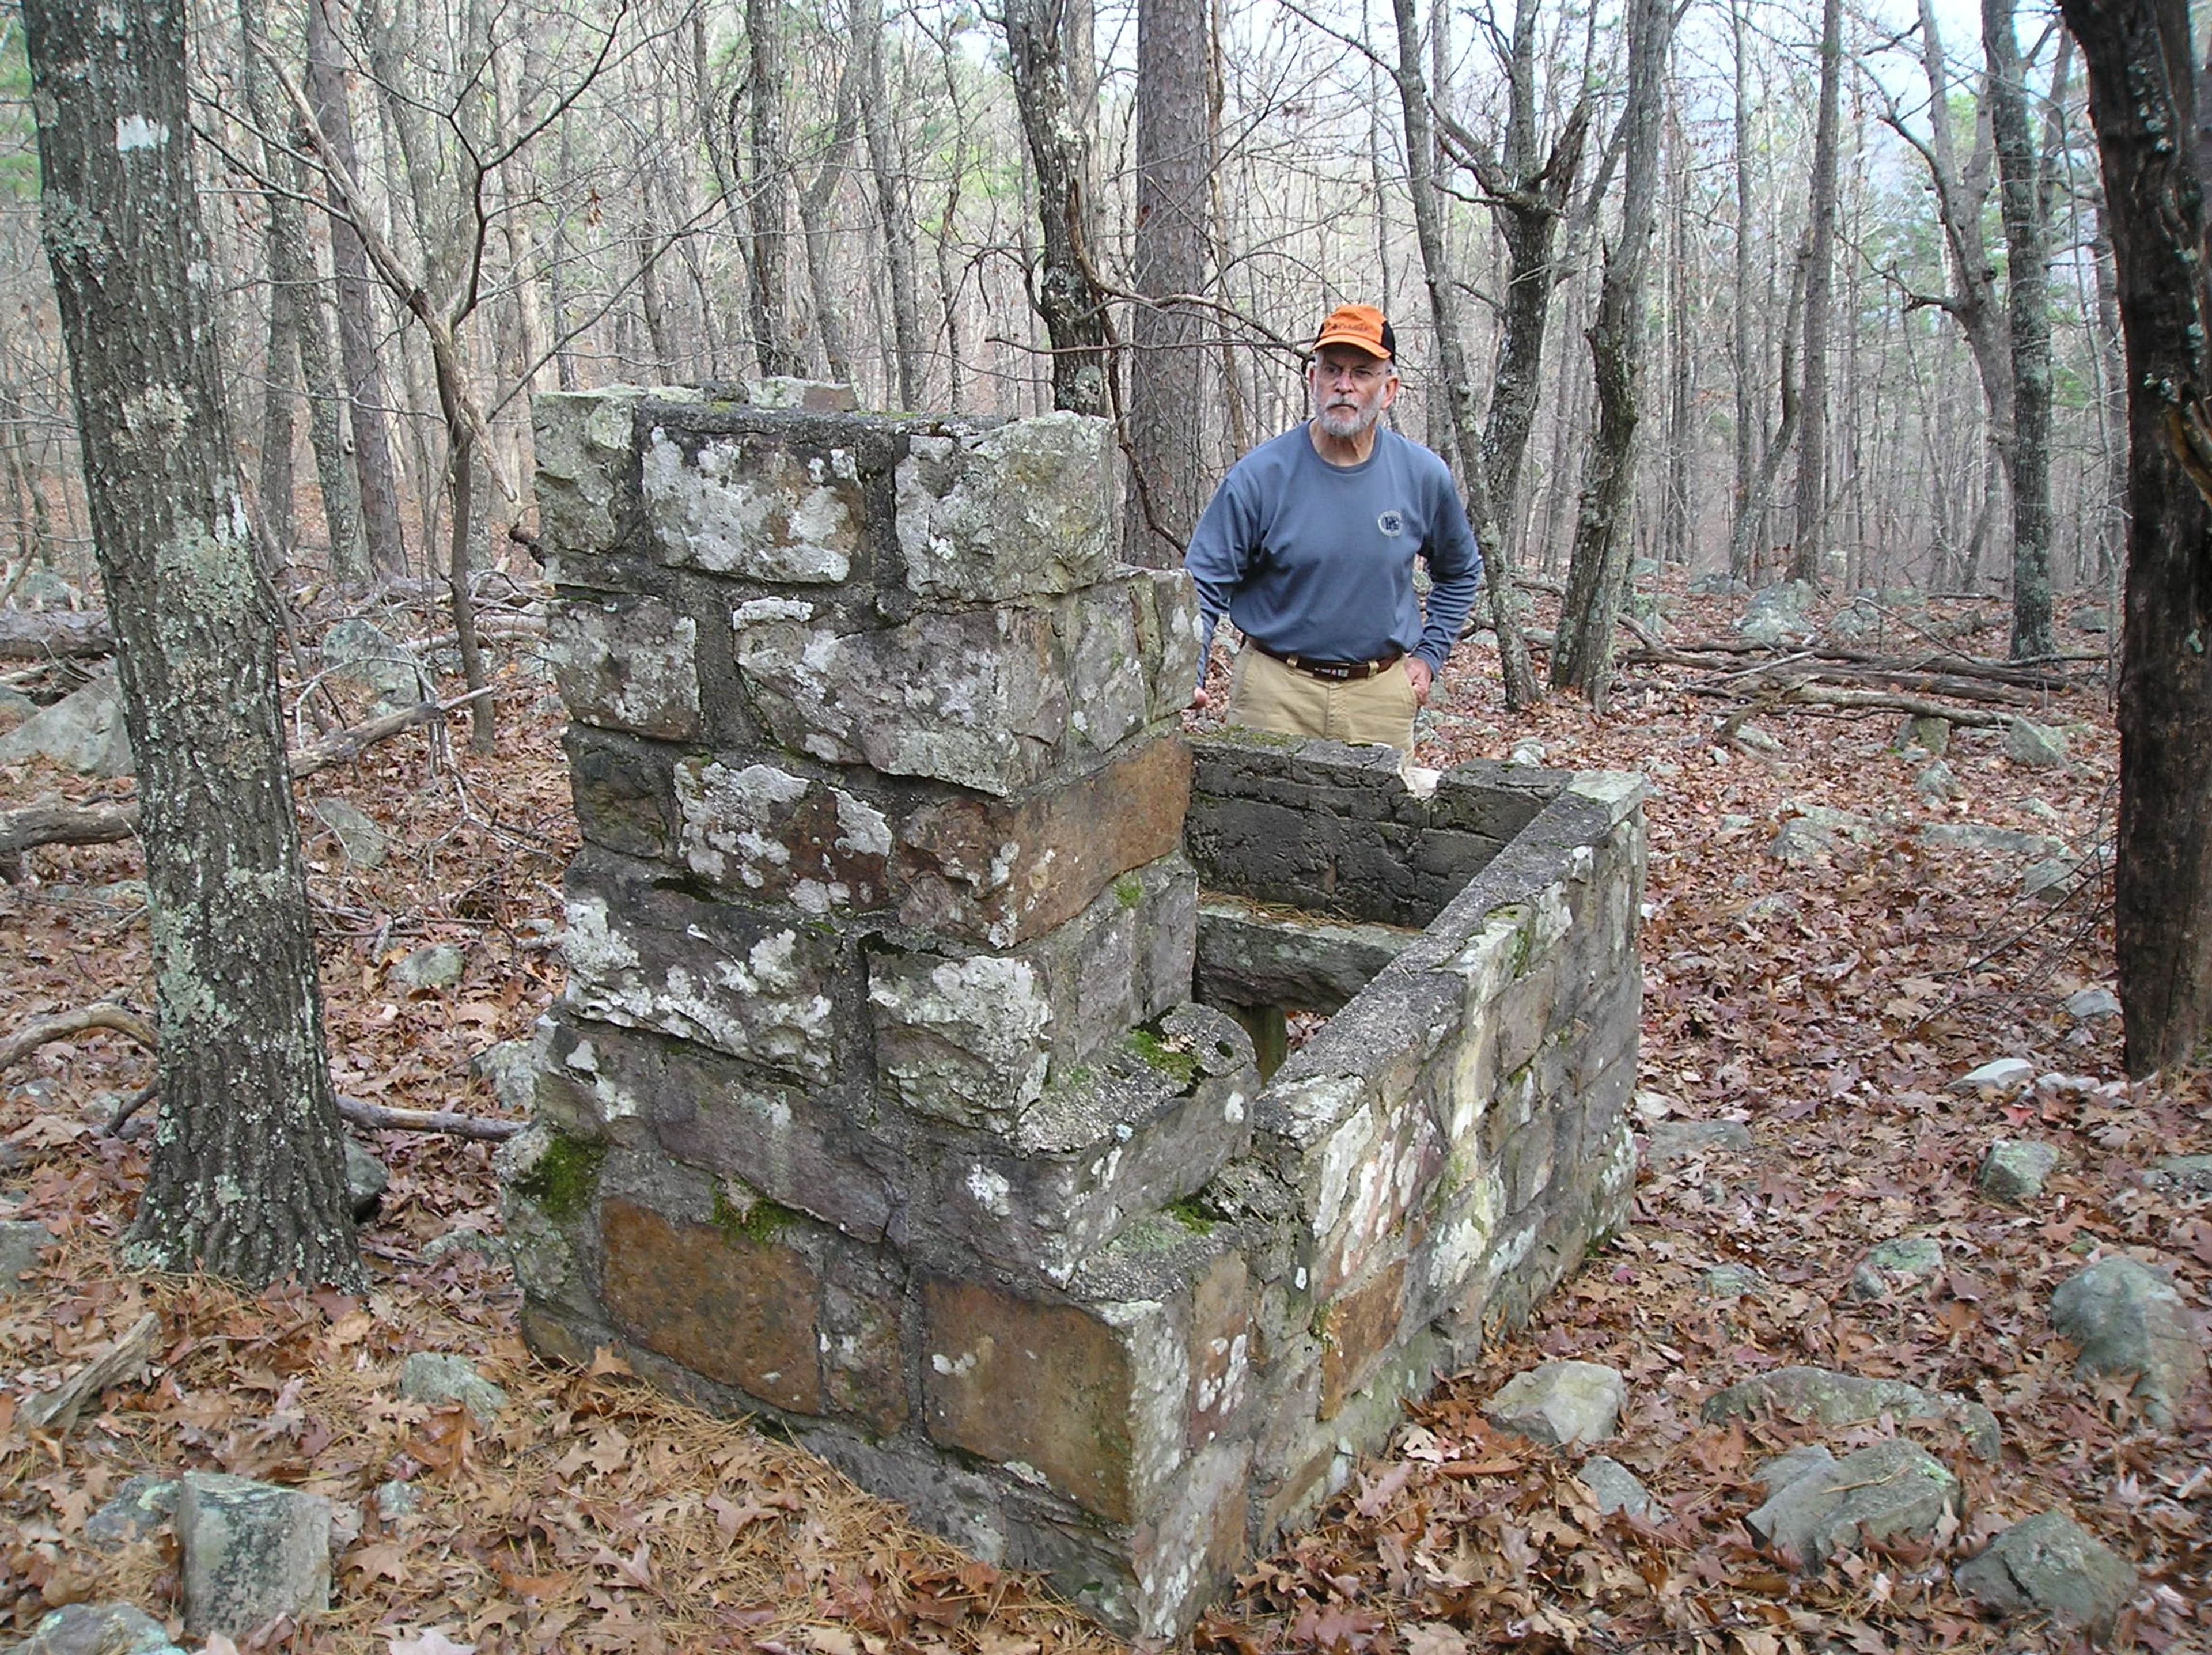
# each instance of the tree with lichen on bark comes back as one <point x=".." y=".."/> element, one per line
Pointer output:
<point x="248" y="1173"/>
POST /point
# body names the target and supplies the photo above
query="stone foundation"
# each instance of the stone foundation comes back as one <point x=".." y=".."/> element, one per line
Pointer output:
<point x="895" y="1093"/>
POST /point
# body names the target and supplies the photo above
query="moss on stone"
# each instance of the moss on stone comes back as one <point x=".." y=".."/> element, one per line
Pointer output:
<point x="760" y="1220"/>
<point x="561" y="1184"/>
<point x="1178" y="1065"/>
<point x="1129" y="891"/>
<point x="1191" y="1213"/>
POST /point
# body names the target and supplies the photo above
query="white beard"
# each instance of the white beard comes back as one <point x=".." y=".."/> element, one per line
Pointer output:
<point x="1344" y="424"/>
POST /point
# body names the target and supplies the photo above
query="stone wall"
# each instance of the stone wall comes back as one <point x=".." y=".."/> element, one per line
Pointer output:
<point x="879" y="1102"/>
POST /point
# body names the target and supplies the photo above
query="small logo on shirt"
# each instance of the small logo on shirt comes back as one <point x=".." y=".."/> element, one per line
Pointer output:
<point x="1392" y="523"/>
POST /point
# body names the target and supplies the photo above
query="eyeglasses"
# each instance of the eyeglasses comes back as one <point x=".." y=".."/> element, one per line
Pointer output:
<point x="1360" y="374"/>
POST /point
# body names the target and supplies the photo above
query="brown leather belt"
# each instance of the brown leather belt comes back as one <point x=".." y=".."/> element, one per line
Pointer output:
<point x="1336" y="672"/>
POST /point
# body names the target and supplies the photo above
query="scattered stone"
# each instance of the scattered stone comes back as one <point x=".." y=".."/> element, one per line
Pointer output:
<point x="1751" y="736"/>
<point x="2096" y="618"/>
<point x="98" y="1629"/>
<point x="358" y="835"/>
<point x="1938" y="782"/>
<point x="2036" y="745"/>
<point x="1904" y="1262"/>
<point x="1560" y="1403"/>
<point x="396" y="1499"/>
<point x="1892" y="1490"/>
<point x="510" y="1068"/>
<point x="41" y="589"/>
<point x="1821" y="1395"/>
<point x="815" y="396"/>
<point x="1528" y="751"/>
<point x="366" y="1181"/>
<point x="1732" y="1281"/>
<point x="1932" y="735"/>
<point x="20" y="1244"/>
<point x="140" y="1506"/>
<point x="1774" y="906"/>
<point x="1812" y="831"/>
<point x="2129" y="1319"/>
<point x="16" y="706"/>
<point x="2051" y="1565"/>
<point x="436" y="1378"/>
<point x="1668" y="1143"/>
<point x="361" y="656"/>
<point x="489" y="1248"/>
<point x="82" y="731"/>
<point x="434" y="965"/>
<point x="1719" y="584"/>
<point x="1777" y="612"/>
<point x="2190" y="1174"/>
<point x="1998" y="1074"/>
<point x="1613" y="1486"/>
<point x="250" y="1551"/>
<point x="2014" y="1169"/>
<point x="1980" y="835"/>
<point x="2050" y="879"/>
<point x="2085" y="1004"/>
<point x="1775" y="1475"/>
<point x="1855" y="620"/>
<point x="119" y="893"/>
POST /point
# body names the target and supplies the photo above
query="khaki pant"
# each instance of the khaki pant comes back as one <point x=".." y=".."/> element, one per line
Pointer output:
<point x="1264" y="694"/>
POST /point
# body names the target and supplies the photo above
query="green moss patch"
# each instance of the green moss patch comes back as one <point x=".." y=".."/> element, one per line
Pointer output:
<point x="561" y="1185"/>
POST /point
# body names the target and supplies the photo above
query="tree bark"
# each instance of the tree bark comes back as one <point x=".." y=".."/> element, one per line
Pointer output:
<point x="771" y="300"/>
<point x="1168" y="370"/>
<point x="1595" y="571"/>
<point x="2141" y="69"/>
<point x="1804" y="563"/>
<point x="2027" y="304"/>
<point x="365" y="397"/>
<point x="1066" y="291"/>
<point x="247" y="1178"/>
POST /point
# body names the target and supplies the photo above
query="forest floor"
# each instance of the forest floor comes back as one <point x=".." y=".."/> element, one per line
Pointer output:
<point x="1830" y="1007"/>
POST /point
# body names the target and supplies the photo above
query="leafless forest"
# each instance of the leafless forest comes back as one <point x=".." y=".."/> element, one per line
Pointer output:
<point x="555" y="197"/>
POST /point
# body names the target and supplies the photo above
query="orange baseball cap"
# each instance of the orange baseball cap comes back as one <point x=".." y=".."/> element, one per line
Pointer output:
<point x="1362" y="327"/>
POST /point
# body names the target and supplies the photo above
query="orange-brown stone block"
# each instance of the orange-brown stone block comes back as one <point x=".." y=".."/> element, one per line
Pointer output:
<point x="1357" y="1330"/>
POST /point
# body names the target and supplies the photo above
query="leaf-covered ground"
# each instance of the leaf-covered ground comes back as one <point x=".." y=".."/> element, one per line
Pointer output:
<point x="1829" y="1007"/>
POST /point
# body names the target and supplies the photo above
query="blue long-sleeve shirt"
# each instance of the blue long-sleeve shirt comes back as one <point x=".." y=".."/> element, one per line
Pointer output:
<point x="1316" y="560"/>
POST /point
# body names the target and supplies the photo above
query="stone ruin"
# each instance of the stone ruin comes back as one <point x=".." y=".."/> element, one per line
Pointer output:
<point x="902" y="1092"/>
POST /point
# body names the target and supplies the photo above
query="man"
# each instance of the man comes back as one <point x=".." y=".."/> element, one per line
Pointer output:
<point x="1309" y="546"/>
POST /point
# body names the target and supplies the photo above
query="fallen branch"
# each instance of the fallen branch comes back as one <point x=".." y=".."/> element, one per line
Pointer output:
<point x="46" y="635"/>
<point x="380" y="1117"/>
<point x="57" y="1409"/>
<point x="93" y="824"/>
<point x="103" y="1014"/>
<point x="1806" y="695"/>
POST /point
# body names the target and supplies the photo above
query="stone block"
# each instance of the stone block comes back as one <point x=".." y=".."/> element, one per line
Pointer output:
<point x="781" y="838"/>
<point x="1004" y="872"/>
<point x="627" y="664"/>
<point x="2049" y="1564"/>
<point x="748" y="983"/>
<point x="734" y="1301"/>
<point x="760" y="504"/>
<point x="586" y="472"/>
<point x="623" y="792"/>
<point x="1357" y="1328"/>
<point x="1248" y="955"/>
<point x="1141" y="1126"/>
<point x="1005" y="513"/>
<point x="1894" y="1489"/>
<point x="249" y="1552"/>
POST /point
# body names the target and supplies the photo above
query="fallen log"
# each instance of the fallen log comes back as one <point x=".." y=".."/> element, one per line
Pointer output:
<point x="44" y="635"/>
<point x="33" y="825"/>
<point x="382" y="1117"/>
<point x="102" y="1014"/>
<point x="1806" y="695"/>
<point x="57" y="1409"/>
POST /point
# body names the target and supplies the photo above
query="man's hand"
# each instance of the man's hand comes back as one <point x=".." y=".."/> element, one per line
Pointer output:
<point x="1418" y="674"/>
<point x="1200" y="700"/>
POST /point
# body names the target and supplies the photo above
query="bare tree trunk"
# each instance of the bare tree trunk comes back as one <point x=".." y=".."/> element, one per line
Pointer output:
<point x="1739" y="541"/>
<point x="771" y="300"/>
<point x="1168" y="368"/>
<point x="2028" y="303"/>
<point x="2143" y="99"/>
<point x="1597" y="572"/>
<point x="1819" y="278"/>
<point x="367" y="398"/>
<point x="1065" y="294"/>
<point x="892" y="205"/>
<point x="247" y="1178"/>
<point x="815" y="204"/>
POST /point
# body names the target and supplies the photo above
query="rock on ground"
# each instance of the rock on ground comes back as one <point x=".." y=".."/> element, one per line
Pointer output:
<point x="2050" y="1565"/>
<point x="1732" y="1281"/>
<point x="361" y="655"/>
<point x="1998" y="1074"/>
<point x="250" y="1551"/>
<point x="434" y="965"/>
<point x="21" y="1243"/>
<point x="357" y="833"/>
<point x="1669" y="1142"/>
<point x="2083" y="1004"/>
<point x="82" y="731"/>
<point x="139" y="1507"/>
<point x="1904" y="1261"/>
<point x="2014" y="1169"/>
<point x="1614" y="1487"/>
<point x="1821" y="1395"/>
<point x="1560" y="1403"/>
<point x="2191" y="1174"/>
<point x="1893" y="1490"/>
<point x="366" y="1182"/>
<point x="2128" y="1319"/>
<point x="2035" y="746"/>
<point x="98" y="1629"/>
<point x="436" y="1378"/>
